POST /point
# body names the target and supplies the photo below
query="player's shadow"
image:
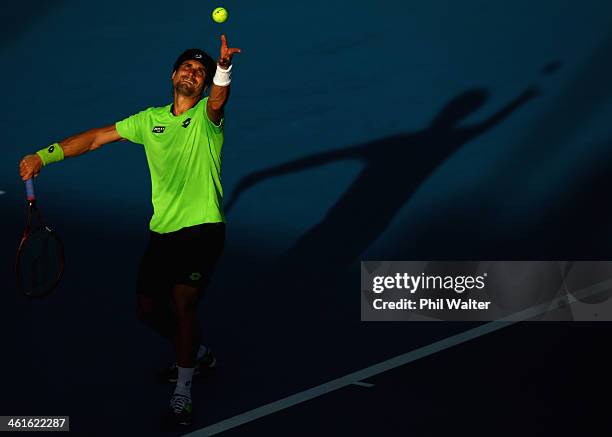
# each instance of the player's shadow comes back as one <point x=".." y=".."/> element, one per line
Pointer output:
<point x="394" y="167"/>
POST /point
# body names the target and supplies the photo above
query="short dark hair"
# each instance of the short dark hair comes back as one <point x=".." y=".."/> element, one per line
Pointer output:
<point x="201" y="56"/>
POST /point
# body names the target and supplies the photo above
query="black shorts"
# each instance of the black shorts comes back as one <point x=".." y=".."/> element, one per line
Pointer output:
<point x="187" y="256"/>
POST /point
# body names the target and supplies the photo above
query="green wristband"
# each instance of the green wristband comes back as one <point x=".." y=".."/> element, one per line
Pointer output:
<point x="50" y="154"/>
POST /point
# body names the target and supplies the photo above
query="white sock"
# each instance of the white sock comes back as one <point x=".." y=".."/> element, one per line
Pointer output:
<point x="201" y="351"/>
<point x="183" y="383"/>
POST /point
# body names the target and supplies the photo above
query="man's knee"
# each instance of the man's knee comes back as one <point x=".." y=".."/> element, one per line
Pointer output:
<point x="157" y="315"/>
<point x="186" y="306"/>
<point x="185" y="300"/>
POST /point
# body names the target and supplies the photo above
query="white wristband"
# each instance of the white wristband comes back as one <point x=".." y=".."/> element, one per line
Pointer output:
<point x="223" y="77"/>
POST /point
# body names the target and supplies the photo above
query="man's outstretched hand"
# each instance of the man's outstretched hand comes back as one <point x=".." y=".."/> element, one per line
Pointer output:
<point x="225" y="58"/>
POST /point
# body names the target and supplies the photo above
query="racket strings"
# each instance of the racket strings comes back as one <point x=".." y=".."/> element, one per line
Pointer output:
<point x="40" y="261"/>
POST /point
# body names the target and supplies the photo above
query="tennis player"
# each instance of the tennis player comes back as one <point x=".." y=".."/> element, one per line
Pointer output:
<point x="182" y="142"/>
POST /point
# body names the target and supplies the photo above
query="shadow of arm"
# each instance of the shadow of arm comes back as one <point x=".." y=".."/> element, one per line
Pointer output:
<point x="289" y="167"/>
<point x="529" y="94"/>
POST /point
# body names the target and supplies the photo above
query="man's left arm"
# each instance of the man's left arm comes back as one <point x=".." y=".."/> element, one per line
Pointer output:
<point x="220" y="88"/>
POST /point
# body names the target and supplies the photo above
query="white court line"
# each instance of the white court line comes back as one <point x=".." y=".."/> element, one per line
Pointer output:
<point x="395" y="362"/>
<point x="363" y="384"/>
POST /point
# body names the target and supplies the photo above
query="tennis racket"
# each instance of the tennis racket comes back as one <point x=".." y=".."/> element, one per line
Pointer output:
<point x="40" y="256"/>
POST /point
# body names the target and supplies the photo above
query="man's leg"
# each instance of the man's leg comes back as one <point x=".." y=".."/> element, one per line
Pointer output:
<point x="186" y="341"/>
<point x="154" y="288"/>
<point x="188" y="331"/>
<point x="201" y="246"/>
<point x="198" y="249"/>
<point x="158" y="315"/>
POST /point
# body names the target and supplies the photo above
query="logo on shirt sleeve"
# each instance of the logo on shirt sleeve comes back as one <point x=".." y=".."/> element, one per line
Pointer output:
<point x="159" y="129"/>
<point x="186" y="122"/>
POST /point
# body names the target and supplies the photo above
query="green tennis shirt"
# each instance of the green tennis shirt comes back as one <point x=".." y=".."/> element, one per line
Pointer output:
<point x="184" y="157"/>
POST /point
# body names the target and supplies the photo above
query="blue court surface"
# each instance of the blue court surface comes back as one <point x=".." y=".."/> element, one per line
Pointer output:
<point x="438" y="130"/>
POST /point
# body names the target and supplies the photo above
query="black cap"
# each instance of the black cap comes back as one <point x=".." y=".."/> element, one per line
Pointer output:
<point x="201" y="56"/>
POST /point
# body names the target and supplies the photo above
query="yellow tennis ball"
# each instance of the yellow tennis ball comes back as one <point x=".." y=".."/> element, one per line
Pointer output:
<point x="219" y="15"/>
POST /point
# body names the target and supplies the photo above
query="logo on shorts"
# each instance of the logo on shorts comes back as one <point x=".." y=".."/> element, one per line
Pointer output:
<point x="195" y="276"/>
<point x="186" y="122"/>
<point x="159" y="129"/>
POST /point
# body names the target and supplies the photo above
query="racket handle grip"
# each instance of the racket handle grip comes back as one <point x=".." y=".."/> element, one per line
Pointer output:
<point x="29" y="184"/>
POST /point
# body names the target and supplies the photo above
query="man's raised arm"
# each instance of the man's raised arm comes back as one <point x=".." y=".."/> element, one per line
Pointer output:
<point x="75" y="145"/>
<point x="219" y="92"/>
